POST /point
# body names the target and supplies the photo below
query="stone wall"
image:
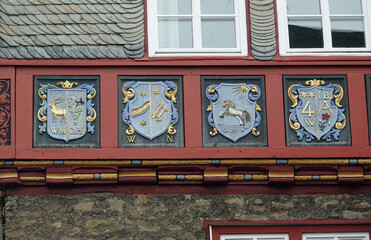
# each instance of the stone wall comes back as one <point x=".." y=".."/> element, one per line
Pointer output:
<point x="164" y="216"/>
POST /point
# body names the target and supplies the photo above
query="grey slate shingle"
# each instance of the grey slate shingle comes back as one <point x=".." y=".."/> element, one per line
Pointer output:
<point x="263" y="32"/>
<point x="65" y="29"/>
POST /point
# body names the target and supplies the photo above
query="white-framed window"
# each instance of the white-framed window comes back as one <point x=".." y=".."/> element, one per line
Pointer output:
<point x="337" y="236"/>
<point x="305" y="236"/>
<point x="197" y="28"/>
<point x="254" y="237"/>
<point x="305" y="230"/>
<point x="324" y="27"/>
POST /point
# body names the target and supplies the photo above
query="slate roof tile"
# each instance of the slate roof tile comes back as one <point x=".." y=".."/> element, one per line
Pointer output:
<point x="95" y="51"/>
<point x="37" y="41"/>
<point x="263" y="33"/>
<point x="85" y="51"/>
<point x="98" y="40"/>
<point x="54" y="39"/>
<point x="19" y="40"/>
<point x="55" y="29"/>
<point x="94" y="29"/>
<point x="106" y="38"/>
<point x="86" y="39"/>
<point x="44" y="9"/>
<point x="14" y="52"/>
<point x="5" y="52"/>
<point x="27" y="40"/>
<point x="59" y="51"/>
<point x="66" y="40"/>
<point x="45" y="40"/>
<point x="33" y="52"/>
<point x="51" y="52"/>
<point x="23" y="52"/>
<point x="68" y="50"/>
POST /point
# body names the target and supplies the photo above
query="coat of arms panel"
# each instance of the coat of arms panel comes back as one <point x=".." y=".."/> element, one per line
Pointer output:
<point x="66" y="111"/>
<point x="368" y="92"/>
<point x="233" y="111"/>
<point x="150" y="110"/>
<point x="316" y="109"/>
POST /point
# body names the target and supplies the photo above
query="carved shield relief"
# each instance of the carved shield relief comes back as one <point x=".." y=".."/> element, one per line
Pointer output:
<point x="66" y="113"/>
<point x="150" y="108"/>
<point x="150" y="113"/>
<point x="316" y="112"/>
<point x="233" y="111"/>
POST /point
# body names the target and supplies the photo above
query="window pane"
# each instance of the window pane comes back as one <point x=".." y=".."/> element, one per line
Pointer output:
<point x="217" y="7"/>
<point x="303" y="7"/>
<point x="347" y="33"/>
<point x="218" y="33"/>
<point x="167" y="7"/>
<point x="345" y="6"/>
<point x="175" y="33"/>
<point x="305" y="33"/>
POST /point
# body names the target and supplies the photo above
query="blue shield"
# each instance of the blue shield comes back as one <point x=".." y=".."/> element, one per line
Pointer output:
<point x="315" y="112"/>
<point x="233" y="111"/>
<point x="66" y="113"/>
<point x="150" y="112"/>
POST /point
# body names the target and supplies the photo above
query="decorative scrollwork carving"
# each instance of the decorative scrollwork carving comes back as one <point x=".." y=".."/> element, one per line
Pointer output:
<point x="4" y="112"/>
<point x="67" y="84"/>
<point x="128" y="94"/>
<point x="171" y="130"/>
<point x="214" y="132"/>
<point x="293" y="97"/>
<point x="130" y="131"/>
<point x="171" y="94"/>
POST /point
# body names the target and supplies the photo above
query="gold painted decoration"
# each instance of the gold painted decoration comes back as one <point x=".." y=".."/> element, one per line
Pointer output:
<point x="257" y="107"/>
<point x="293" y="125"/>
<point x="214" y="132"/>
<point x="314" y="82"/>
<point x="341" y="125"/>
<point x="210" y="107"/>
<point x="339" y="96"/>
<point x="255" y="132"/>
<point x="91" y="96"/>
<point x="130" y="130"/>
<point x="169" y="93"/>
<point x="92" y="118"/>
<point x="171" y="130"/>
<point x="128" y="94"/>
<point x="41" y="118"/>
<point x="67" y="84"/>
<point x="293" y="97"/>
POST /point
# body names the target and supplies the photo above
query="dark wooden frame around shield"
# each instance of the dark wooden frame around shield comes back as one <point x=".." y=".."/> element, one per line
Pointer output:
<point x="44" y="140"/>
<point x="164" y="140"/>
<point x="220" y="141"/>
<point x="291" y="137"/>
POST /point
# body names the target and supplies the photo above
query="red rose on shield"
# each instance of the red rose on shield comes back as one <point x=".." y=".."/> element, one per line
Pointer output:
<point x="325" y="116"/>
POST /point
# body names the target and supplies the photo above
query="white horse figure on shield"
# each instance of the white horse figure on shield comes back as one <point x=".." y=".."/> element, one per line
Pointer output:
<point x="230" y="109"/>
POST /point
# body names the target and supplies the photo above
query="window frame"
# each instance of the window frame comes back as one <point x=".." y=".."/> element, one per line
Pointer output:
<point x="276" y="236"/>
<point x="335" y="236"/>
<point x="294" y="229"/>
<point x="327" y="50"/>
<point x="197" y="50"/>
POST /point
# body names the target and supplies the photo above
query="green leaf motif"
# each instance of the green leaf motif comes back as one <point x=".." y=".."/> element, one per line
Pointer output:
<point x="75" y="109"/>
